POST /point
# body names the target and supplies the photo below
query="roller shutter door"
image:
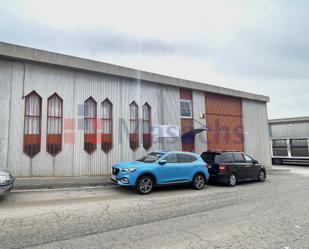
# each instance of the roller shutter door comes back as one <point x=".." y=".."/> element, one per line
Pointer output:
<point x="224" y="122"/>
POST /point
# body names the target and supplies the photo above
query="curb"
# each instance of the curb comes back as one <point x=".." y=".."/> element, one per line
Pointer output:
<point x="61" y="182"/>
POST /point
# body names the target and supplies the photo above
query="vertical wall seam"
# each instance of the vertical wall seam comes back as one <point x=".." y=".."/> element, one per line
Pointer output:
<point x="9" y="121"/>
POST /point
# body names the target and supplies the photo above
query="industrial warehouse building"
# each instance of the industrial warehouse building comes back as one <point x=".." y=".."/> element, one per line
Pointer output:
<point x="290" y="140"/>
<point x="67" y="116"/>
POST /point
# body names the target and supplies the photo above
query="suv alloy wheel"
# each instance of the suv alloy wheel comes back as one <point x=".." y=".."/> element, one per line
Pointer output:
<point x="198" y="182"/>
<point x="232" y="181"/>
<point x="144" y="185"/>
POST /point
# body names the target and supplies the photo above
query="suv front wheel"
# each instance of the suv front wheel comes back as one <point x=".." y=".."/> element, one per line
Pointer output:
<point x="144" y="185"/>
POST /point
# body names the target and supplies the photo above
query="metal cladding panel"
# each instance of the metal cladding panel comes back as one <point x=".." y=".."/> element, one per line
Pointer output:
<point x="198" y="110"/>
<point x="290" y="130"/>
<point x="224" y="122"/>
<point x="74" y="87"/>
<point x="170" y="107"/>
<point x="5" y="100"/>
<point x="18" y="163"/>
<point x="140" y="92"/>
<point x="47" y="80"/>
<point x="256" y="132"/>
<point x="99" y="87"/>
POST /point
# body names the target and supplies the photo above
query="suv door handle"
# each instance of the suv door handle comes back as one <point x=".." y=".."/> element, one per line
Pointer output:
<point x="248" y="166"/>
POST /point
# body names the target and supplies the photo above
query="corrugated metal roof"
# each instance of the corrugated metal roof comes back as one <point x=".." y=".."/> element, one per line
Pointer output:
<point x="16" y="52"/>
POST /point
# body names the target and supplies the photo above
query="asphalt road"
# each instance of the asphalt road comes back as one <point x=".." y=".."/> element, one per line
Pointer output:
<point x="273" y="214"/>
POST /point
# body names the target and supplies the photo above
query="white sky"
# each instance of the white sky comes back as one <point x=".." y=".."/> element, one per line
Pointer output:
<point x="257" y="46"/>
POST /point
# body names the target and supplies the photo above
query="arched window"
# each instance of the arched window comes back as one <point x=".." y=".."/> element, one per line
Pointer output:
<point x="107" y="126"/>
<point x="146" y="126"/>
<point x="32" y="124"/>
<point x="133" y="136"/>
<point x="54" y="125"/>
<point x="90" y="125"/>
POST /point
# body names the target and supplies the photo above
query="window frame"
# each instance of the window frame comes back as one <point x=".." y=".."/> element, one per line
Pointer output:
<point x="94" y="119"/>
<point x="275" y="147"/>
<point x="109" y="119"/>
<point x="134" y="137"/>
<point x="56" y="117"/>
<point x="147" y="135"/>
<point x="189" y="101"/>
<point x="293" y="147"/>
<point x="40" y="123"/>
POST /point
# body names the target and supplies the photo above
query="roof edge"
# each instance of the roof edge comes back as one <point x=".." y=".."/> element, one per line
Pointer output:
<point x="289" y="120"/>
<point x="17" y="52"/>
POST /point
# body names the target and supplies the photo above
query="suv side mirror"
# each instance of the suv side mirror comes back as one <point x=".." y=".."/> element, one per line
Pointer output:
<point x="162" y="162"/>
<point x="255" y="161"/>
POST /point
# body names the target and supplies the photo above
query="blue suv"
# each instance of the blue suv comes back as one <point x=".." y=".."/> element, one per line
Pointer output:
<point x="161" y="168"/>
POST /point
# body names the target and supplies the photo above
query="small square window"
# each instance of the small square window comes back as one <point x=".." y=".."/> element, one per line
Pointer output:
<point x="186" y="108"/>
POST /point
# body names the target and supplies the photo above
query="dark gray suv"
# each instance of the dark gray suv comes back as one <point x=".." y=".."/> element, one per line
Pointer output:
<point x="230" y="167"/>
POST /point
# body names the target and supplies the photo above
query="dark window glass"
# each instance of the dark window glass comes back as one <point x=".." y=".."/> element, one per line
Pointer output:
<point x="248" y="158"/>
<point x="224" y="158"/>
<point x="239" y="157"/>
<point x="150" y="158"/>
<point x="186" y="108"/>
<point x="209" y="157"/>
<point x="171" y="158"/>
<point x="182" y="158"/>
<point x="280" y="147"/>
<point x="299" y="147"/>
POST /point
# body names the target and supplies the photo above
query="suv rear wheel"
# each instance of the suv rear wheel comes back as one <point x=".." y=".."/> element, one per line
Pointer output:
<point x="232" y="181"/>
<point x="144" y="185"/>
<point x="198" y="182"/>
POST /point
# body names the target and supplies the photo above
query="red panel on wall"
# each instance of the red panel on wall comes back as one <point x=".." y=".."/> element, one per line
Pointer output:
<point x="224" y="122"/>
<point x="187" y="142"/>
<point x="185" y="94"/>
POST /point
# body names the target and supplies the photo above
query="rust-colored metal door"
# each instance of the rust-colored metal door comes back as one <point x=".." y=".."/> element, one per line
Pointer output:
<point x="224" y="122"/>
<point x="187" y="122"/>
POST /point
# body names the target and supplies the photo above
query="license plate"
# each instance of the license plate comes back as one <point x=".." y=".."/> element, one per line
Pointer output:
<point x="114" y="177"/>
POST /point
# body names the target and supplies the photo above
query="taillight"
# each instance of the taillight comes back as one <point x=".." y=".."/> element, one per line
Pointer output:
<point x="222" y="168"/>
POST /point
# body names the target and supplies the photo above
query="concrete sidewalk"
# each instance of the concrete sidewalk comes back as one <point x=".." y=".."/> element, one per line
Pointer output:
<point x="61" y="182"/>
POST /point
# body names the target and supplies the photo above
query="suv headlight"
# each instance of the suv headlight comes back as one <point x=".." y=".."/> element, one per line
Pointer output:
<point x="128" y="170"/>
<point x="4" y="178"/>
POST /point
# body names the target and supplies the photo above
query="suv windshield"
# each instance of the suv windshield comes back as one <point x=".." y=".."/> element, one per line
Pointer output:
<point x="150" y="158"/>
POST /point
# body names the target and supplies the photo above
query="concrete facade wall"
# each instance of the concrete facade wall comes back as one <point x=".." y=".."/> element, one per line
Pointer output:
<point x="256" y="132"/>
<point x="17" y="79"/>
<point x="289" y="130"/>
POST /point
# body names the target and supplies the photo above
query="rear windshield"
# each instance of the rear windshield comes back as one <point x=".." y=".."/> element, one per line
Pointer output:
<point x="210" y="157"/>
<point x="150" y="158"/>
